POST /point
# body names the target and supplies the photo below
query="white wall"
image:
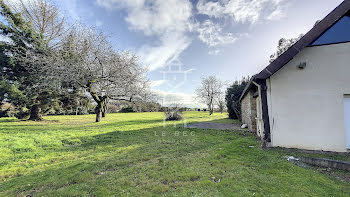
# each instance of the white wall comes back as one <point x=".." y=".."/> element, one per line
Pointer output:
<point x="306" y="106"/>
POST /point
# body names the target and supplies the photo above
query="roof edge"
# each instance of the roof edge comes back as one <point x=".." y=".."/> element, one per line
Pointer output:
<point x="306" y="40"/>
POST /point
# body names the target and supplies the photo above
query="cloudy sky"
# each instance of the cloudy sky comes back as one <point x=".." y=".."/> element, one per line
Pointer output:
<point x="225" y="38"/>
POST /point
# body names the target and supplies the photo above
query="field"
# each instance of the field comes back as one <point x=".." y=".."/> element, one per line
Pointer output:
<point x="136" y="154"/>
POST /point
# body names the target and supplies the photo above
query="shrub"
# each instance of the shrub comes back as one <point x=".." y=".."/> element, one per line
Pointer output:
<point x="112" y="108"/>
<point x="137" y="106"/>
<point x="22" y="114"/>
<point x="126" y="110"/>
<point x="7" y="110"/>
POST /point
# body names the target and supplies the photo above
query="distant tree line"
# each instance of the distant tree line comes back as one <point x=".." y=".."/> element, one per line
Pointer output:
<point x="124" y="106"/>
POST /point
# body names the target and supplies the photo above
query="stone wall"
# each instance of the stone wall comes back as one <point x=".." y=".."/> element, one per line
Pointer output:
<point x="245" y="109"/>
<point x="248" y="110"/>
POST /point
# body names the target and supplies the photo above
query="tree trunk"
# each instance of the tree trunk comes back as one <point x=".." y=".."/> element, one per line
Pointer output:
<point x="99" y="110"/>
<point x="105" y="107"/>
<point x="236" y="109"/>
<point x="211" y="109"/>
<point x="104" y="110"/>
<point x="35" y="113"/>
<point x="98" y="116"/>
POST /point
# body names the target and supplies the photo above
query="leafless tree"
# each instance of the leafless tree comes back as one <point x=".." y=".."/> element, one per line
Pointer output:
<point x="80" y="57"/>
<point x="90" y="62"/>
<point x="45" y="17"/>
<point x="147" y="95"/>
<point x="209" y="92"/>
<point x="221" y="102"/>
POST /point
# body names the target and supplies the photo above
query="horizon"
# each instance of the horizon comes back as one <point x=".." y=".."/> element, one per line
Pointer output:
<point x="228" y="39"/>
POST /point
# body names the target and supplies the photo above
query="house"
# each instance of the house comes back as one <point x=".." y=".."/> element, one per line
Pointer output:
<point x="302" y="99"/>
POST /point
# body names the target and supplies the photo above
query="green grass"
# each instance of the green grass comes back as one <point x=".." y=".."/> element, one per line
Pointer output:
<point x="126" y="155"/>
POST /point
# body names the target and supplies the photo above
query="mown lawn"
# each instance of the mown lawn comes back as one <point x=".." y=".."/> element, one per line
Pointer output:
<point x="137" y="155"/>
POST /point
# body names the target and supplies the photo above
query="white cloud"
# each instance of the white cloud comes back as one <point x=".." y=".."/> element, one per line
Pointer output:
<point x="157" y="83"/>
<point x="212" y="9"/>
<point x="72" y="7"/>
<point x="276" y="15"/>
<point x="213" y="35"/>
<point x="116" y="4"/>
<point x="169" y="20"/>
<point x="170" y="47"/>
<point x="185" y="100"/>
<point x="98" y="23"/>
<point x="242" y="11"/>
<point x="214" y="52"/>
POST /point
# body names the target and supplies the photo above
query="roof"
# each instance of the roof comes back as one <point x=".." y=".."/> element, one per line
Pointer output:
<point x="305" y="41"/>
<point x="247" y="87"/>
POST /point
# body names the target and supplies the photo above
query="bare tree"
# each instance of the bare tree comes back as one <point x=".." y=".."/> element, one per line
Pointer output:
<point x="44" y="16"/>
<point x="81" y="58"/>
<point x="221" y="102"/>
<point x="209" y="92"/>
<point x="89" y="61"/>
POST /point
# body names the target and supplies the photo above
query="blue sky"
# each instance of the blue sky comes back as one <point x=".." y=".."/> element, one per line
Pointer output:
<point x="225" y="38"/>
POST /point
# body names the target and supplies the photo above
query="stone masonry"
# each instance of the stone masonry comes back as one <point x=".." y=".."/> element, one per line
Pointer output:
<point x="248" y="110"/>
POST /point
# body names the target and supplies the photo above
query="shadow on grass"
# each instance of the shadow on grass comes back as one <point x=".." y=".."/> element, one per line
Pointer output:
<point x="66" y="174"/>
<point x="144" y="137"/>
<point x="2" y="120"/>
<point x="40" y="127"/>
<point x="103" y="153"/>
<point x="131" y="122"/>
<point x="133" y="161"/>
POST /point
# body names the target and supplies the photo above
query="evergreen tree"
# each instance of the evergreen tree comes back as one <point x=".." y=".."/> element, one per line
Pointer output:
<point x="233" y="94"/>
<point x="25" y="65"/>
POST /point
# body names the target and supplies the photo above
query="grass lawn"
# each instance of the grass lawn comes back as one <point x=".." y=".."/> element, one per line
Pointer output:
<point x="136" y="155"/>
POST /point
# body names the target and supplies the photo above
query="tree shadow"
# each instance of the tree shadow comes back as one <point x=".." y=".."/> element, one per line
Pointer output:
<point x="112" y="151"/>
<point x="41" y="127"/>
<point x="62" y="175"/>
<point x="132" y="122"/>
<point x="3" y="120"/>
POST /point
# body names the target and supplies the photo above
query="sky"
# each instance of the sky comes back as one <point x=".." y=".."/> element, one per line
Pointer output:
<point x="181" y="41"/>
